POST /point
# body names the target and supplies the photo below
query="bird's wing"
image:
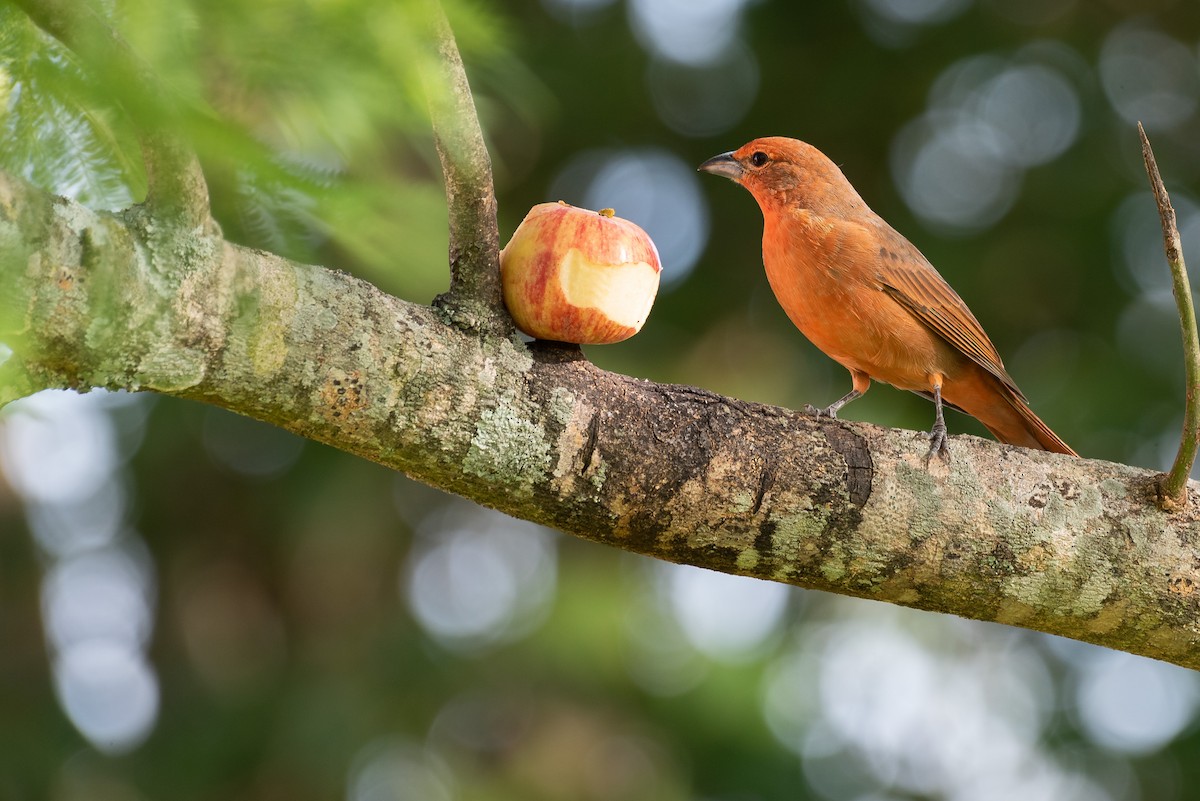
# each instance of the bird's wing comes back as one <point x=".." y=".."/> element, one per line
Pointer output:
<point x="909" y="278"/>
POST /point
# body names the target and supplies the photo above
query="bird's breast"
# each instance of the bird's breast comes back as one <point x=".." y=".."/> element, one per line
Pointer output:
<point x="824" y="275"/>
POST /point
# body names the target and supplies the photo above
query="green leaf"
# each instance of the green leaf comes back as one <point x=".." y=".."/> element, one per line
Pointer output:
<point x="58" y="129"/>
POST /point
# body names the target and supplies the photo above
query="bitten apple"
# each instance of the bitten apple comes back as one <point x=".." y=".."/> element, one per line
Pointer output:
<point x="574" y="275"/>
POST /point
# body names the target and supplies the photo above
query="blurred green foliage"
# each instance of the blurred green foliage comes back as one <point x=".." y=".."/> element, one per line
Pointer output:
<point x="59" y="128"/>
<point x="290" y="650"/>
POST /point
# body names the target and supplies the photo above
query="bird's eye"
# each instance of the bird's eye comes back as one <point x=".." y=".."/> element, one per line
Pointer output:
<point x="758" y="158"/>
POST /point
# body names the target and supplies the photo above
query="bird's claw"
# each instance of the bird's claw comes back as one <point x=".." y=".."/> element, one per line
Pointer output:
<point x="939" y="443"/>
<point x="830" y="412"/>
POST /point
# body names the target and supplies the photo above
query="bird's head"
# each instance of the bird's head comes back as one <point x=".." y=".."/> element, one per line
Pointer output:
<point x="787" y="172"/>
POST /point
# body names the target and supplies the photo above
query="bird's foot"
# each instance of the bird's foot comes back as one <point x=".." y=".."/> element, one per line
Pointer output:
<point x="829" y="412"/>
<point x="939" y="443"/>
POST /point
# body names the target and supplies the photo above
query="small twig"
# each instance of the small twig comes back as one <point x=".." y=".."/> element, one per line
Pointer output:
<point x="474" y="296"/>
<point x="1172" y="488"/>
<point x="175" y="181"/>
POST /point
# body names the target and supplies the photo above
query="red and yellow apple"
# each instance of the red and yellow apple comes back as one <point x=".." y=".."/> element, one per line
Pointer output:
<point x="574" y="275"/>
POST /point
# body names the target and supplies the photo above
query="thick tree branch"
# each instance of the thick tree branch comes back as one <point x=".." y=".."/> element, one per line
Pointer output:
<point x="1173" y="486"/>
<point x="175" y="181"/>
<point x="473" y="300"/>
<point x="1070" y="546"/>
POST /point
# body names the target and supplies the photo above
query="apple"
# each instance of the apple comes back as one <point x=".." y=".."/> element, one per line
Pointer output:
<point x="574" y="275"/>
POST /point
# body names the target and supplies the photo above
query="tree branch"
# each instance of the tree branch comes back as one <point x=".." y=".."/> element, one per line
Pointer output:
<point x="474" y="299"/>
<point x="175" y="181"/>
<point x="1172" y="492"/>
<point x="1069" y="546"/>
<point x="15" y="382"/>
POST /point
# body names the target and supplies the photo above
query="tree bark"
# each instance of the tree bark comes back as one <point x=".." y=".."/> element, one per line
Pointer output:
<point x="1068" y="546"/>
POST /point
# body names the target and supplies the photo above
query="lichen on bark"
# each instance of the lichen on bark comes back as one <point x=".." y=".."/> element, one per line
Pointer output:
<point x="450" y="396"/>
<point x="1070" y="546"/>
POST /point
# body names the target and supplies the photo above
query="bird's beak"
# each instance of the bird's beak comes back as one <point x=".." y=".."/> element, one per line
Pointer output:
<point x="726" y="165"/>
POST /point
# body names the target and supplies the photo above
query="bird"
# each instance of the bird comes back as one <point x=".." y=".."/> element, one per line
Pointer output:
<point x="868" y="299"/>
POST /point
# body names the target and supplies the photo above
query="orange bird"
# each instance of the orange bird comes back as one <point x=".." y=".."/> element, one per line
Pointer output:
<point x="866" y="297"/>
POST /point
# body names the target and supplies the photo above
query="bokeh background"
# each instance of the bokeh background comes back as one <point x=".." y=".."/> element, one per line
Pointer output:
<point x="194" y="605"/>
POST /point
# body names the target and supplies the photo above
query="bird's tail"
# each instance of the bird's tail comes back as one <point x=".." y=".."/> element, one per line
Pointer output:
<point x="1003" y="411"/>
<point x="1025" y="428"/>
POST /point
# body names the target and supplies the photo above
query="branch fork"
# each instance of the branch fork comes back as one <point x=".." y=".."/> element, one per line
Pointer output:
<point x="1019" y="537"/>
<point x="1171" y="489"/>
<point x="474" y="299"/>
